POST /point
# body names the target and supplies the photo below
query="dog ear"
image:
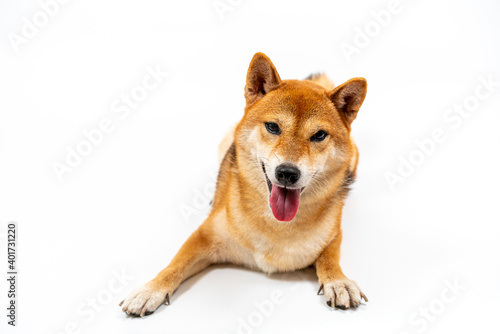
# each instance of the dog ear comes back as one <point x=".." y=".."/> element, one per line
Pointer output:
<point x="348" y="98"/>
<point x="262" y="78"/>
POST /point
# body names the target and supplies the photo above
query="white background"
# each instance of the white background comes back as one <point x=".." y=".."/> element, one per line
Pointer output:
<point x="121" y="208"/>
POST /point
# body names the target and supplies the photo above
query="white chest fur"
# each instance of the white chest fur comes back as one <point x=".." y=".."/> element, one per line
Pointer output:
<point x="291" y="252"/>
<point x="288" y="248"/>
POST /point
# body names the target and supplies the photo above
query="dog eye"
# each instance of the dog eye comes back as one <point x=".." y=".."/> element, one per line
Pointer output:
<point x="319" y="136"/>
<point x="273" y="128"/>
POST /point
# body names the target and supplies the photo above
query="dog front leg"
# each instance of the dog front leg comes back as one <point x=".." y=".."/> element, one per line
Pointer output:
<point x="193" y="257"/>
<point x="339" y="291"/>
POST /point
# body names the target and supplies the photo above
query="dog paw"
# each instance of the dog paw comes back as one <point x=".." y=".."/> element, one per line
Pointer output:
<point x="342" y="293"/>
<point x="144" y="301"/>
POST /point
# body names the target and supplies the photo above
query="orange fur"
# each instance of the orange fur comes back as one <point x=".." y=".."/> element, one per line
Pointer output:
<point x="241" y="228"/>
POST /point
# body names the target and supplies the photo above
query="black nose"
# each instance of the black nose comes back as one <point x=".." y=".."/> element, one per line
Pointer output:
<point x="287" y="174"/>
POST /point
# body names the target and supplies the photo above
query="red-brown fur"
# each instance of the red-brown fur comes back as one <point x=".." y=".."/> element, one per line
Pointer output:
<point x="240" y="228"/>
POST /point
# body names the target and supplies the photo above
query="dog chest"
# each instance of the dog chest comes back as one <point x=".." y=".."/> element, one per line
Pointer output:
<point x="288" y="254"/>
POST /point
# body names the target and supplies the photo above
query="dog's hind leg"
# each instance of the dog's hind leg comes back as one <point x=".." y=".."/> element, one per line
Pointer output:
<point x="195" y="255"/>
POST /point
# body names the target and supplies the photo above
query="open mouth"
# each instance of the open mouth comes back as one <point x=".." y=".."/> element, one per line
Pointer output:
<point x="284" y="202"/>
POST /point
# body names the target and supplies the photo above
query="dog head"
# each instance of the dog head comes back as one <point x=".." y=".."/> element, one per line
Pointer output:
<point x="294" y="133"/>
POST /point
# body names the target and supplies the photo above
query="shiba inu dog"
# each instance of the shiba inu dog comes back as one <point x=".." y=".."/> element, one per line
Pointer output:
<point x="281" y="186"/>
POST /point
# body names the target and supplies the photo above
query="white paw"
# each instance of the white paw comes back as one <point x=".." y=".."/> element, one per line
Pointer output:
<point x="144" y="301"/>
<point x="343" y="294"/>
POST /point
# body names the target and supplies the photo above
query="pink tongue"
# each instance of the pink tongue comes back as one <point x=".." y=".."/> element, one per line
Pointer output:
<point x="284" y="203"/>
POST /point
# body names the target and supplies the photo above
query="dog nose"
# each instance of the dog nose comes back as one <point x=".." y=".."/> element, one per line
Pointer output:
<point x="287" y="174"/>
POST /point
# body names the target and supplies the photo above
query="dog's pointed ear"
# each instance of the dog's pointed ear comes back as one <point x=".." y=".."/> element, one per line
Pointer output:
<point x="348" y="98"/>
<point x="262" y="78"/>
